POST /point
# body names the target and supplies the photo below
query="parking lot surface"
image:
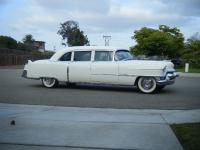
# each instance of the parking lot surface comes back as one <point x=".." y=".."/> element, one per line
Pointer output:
<point x="184" y="94"/>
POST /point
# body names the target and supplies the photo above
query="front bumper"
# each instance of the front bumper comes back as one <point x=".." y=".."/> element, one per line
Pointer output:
<point x="168" y="79"/>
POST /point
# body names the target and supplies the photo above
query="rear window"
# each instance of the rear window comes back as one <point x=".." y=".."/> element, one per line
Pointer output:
<point x="66" y="57"/>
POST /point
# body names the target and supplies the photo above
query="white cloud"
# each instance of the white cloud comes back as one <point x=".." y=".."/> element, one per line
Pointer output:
<point x="118" y="18"/>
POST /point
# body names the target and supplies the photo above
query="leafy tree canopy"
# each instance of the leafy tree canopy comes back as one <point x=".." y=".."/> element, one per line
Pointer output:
<point x="28" y="39"/>
<point x="8" y="42"/>
<point x="165" y="41"/>
<point x="71" y="32"/>
<point x="192" y="49"/>
<point x="28" y="43"/>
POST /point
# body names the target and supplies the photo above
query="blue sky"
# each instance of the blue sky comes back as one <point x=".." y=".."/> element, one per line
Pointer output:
<point x="118" y="18"/>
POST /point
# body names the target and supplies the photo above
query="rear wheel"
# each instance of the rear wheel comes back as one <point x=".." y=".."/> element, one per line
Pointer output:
<point x="147" y="84"/>
<point x="49" y="82"/>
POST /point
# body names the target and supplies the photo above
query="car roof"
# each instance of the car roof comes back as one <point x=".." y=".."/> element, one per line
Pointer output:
<point x="59" y="53"/>
<point x="78" y="48"/>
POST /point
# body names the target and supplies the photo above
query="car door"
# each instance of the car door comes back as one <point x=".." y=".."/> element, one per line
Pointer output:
<point x="103" y="68"/>
<point x="80" y="67"/>
<point x="58" y="69"/>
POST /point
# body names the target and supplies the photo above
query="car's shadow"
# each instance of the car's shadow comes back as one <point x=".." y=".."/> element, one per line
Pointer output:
<point x="99" y="87"/>
<point x="104" y="87"/>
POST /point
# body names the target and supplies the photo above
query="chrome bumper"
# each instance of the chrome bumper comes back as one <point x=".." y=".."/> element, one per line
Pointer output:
<point x="24" y="74"/>
<point x="168" y="79"/>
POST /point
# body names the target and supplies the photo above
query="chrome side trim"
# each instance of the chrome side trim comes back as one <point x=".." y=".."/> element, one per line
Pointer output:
<point x="127" y="75"/>
<point x="105" y="74"/>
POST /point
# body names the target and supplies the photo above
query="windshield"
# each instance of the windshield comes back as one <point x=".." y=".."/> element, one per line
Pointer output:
<point x="123" y="55"/>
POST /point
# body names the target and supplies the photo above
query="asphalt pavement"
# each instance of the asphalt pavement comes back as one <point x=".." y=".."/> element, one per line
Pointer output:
<point x="184" y="94"/>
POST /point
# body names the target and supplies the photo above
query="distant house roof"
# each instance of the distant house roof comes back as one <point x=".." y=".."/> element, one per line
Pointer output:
<point x="40" y="45"/>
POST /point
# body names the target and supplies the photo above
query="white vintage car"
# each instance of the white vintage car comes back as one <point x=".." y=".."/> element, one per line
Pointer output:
<point x="103" y="65"/>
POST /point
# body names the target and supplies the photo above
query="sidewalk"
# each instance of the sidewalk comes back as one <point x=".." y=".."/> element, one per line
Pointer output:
<point x="50" y="127"/>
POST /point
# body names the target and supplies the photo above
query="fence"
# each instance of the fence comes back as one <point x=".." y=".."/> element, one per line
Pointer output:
<point x="17" y="57"/>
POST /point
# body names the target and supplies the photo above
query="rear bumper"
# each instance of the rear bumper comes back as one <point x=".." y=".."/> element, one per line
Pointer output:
<point x="24" y="74"/>
<point x="168" y="79"/>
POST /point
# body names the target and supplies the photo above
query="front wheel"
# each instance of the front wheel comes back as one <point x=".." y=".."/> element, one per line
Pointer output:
<point x="49" y="82"/>
<point x="147" y="84"/>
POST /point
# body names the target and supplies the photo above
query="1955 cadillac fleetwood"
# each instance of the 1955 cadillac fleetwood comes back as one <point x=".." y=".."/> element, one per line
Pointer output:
<point x="104" y="65"/>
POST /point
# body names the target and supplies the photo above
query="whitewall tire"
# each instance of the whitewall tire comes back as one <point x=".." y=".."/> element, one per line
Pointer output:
<point x="147" y="84"/>
<point x="49" y="82"/>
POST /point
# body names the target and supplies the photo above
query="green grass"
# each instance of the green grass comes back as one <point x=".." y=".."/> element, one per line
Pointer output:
<point x="188" y="135"/>
<point x="191" y="70"/>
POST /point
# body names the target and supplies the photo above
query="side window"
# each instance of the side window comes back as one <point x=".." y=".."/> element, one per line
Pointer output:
<point x="103" y="56"/>
<point x="66" y="57"/>
<point x="82" y="55"/>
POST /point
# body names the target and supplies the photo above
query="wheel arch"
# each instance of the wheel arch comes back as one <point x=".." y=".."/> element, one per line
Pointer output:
<point x="136" y="80"/>
<point x="48" y="77"/>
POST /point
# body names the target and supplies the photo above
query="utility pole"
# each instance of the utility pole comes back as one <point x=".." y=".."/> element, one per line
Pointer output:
<point x="107" y="39"/>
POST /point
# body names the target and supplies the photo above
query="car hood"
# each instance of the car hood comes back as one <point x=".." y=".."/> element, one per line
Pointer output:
<point x="148" y="64"/>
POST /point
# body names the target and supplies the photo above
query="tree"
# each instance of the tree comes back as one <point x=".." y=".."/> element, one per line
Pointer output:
<point x="70" y="32"/>
<point x="8" y="42"/>
<point x="191" y="52"/>
<point x="165" y="41"/>
<point x="28" y="43"/>
<point x="28" y="39"/>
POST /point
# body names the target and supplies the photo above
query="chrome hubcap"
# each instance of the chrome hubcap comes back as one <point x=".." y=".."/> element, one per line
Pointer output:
<point x="147" y="83"/>
<point x="48" y="81"/>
